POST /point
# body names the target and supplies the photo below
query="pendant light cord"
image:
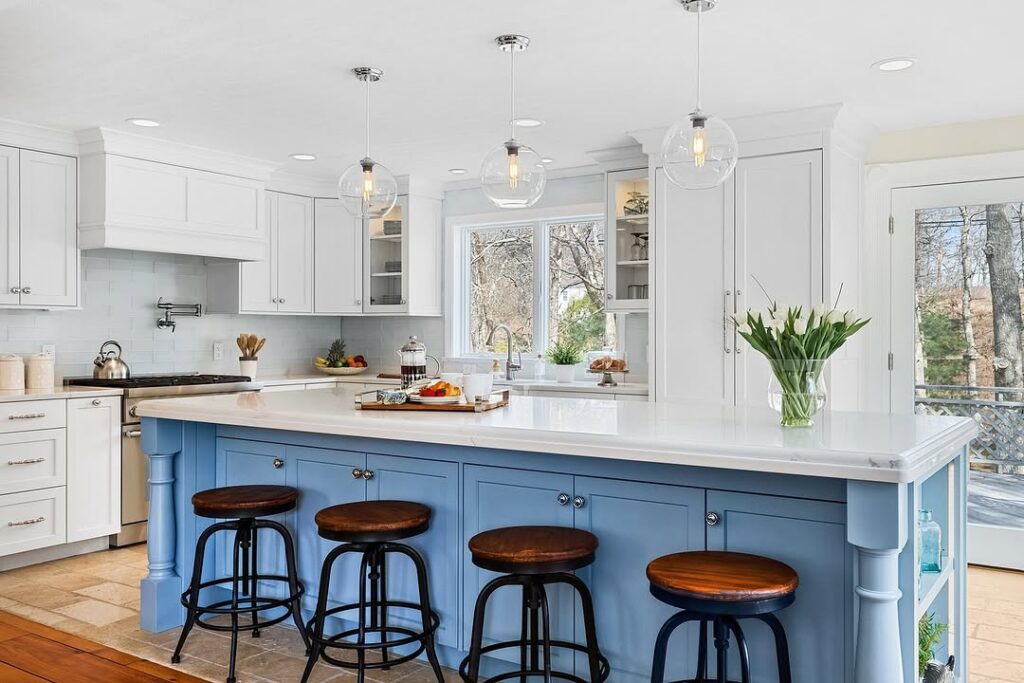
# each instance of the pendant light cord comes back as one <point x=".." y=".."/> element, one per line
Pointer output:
<point x="700" y="10"/>
<point x="367" y="81"/>
<point x="512" y="98"/>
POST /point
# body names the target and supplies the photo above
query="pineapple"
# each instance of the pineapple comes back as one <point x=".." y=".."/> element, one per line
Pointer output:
<point x="336" y="354"/>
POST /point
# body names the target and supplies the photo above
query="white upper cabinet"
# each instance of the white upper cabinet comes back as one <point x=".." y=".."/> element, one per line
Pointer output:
<point x="148" y="195"/>
<point x="627" y="240"/>
<point x="337" y="259"/>
<point x="38" y="200"/>
<point x="282" y="283"/>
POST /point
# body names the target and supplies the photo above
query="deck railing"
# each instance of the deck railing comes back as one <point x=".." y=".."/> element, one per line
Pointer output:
<point x="999" y="412"/>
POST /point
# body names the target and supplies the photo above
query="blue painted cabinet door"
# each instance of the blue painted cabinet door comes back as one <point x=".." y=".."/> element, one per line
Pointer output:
<point x="809" y="536"/>
<point x="436" y="485"/>
<point x="241" y="463"/>
<point x="324" y="478"/>
<point x="497" y="497"/>
<point x="636" y="522"/>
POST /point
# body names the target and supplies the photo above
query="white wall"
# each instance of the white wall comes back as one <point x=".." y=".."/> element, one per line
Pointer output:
<point x="955" y="140"/>
<point x="119" y="294"/>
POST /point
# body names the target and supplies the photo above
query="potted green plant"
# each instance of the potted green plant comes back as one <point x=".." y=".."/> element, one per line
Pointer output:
<point x="565" y="356"/>
<point x="929" y="633"/>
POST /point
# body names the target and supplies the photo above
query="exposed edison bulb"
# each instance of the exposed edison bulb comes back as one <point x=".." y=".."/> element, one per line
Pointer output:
<point x="367" y="189"/>
<point x="513" y="167"/>
<point x="698" y="145"/>
<point x="367" y="183"/>
<point x="699" y="152"/>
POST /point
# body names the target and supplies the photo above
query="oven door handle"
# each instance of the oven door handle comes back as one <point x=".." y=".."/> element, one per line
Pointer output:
<point x="131" y="433"/>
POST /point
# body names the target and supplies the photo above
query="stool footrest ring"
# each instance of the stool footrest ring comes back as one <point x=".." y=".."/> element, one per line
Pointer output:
<point x="247" y="604"/>
<point x="563" y="644"/>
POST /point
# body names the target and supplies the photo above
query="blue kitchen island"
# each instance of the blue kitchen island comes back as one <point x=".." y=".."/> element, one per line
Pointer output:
<point x="837" y="502"/>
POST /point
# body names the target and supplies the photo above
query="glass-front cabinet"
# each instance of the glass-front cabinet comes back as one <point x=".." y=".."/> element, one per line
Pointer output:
<point x="386" y="267"/>
<point x="628" y="244"/>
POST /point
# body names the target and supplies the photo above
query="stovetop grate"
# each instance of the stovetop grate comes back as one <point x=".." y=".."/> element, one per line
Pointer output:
<point x="159" y="381"/>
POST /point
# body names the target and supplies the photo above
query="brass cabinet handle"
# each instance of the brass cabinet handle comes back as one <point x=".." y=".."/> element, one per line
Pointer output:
<point x="26" y="522"/>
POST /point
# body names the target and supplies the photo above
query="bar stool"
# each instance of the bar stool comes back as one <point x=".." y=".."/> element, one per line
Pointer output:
<point x="371" y="529"/>
<point x="244" y="507"/>
<point x="534" y="557"/>
<point x="717" y="589"/>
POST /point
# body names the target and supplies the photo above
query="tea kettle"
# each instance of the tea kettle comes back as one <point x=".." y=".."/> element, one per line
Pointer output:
<point x="109" y="365"/>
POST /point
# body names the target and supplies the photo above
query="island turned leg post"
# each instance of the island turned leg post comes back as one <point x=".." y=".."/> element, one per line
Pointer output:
<point x="161" y="588"/>
<point x="876" y="525"/>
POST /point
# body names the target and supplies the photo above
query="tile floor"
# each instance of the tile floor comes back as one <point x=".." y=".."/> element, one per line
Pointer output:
<point x="96" y="596"/>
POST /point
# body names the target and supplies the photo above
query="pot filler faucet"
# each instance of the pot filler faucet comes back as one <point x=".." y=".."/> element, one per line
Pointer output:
<point x="510" y="365"/>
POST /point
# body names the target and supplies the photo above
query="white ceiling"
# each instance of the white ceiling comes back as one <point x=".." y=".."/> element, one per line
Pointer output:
<point x="266" y="78"/>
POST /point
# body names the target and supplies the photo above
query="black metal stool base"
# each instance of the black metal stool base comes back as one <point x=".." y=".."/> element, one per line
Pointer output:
<point x="535" y="638"/>
<point x="373" y="570"/>
<point x="244" y="583"/>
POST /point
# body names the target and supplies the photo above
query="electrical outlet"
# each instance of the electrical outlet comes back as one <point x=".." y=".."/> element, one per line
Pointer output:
<point x="218" y="350"/>
<point x="50" y="350"/>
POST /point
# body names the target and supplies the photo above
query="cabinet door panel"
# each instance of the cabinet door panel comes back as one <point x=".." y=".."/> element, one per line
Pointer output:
<point x="49" y="239"/>
<point x="498" y="497"/>
<point x="259" y="278"/>
<point x="10" y="261"/>
<point x="240" y="463"/>
<point x="294" y="243"/>
<point x="635" y="523"/>
<point x="778" y="242"/>
<point x="225" y="203"/>
<point x="809" y="536"/>
<point x="694" y="343"/>
<point x="94" y="467"/>
<point x="325" y="478"/>
<point x="146" y="193"/>
<point x="435" y="484"/>
<point x="338" y="259"/>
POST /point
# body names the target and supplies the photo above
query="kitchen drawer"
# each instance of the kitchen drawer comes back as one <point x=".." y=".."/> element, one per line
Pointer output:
<point x="32" y="460"/>
<point x="23" y="416"/>
<point x="31" y="520"/>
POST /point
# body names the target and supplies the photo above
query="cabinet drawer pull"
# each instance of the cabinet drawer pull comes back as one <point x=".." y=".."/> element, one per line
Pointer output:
<point x="712" y="518"/>
<point x="96" y="401"/>
<point x="563" y="499"/>
<point x="30" y="461"/>
<point x="278" y="463"/>
<point x="27" y="522"/>
<point x="26" y="416"/>
<point x="132" y="433"/>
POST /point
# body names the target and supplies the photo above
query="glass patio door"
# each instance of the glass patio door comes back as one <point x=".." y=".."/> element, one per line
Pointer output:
<point x="957" y="334"/>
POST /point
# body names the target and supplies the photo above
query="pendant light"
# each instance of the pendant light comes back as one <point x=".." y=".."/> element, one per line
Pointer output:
<point x="699" y="152"/>
<point x="513" y="175"/>
<point x="367" y="189"/>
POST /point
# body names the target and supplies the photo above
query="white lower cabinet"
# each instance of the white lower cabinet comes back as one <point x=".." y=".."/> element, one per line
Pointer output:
<point x="94" y="467"/>
<point x="32" y="519"/>
<point x="32" y="460"/>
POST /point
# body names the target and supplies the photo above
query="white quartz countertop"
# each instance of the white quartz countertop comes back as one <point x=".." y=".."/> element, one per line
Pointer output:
<point x="57" y="393"/>
<point x="859" y="446"/>
<point x="526" y="384"/>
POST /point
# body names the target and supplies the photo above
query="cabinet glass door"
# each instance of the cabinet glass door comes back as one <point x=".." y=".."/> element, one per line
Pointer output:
<point x="385" y="266"/>
<point x="628" y="225"/>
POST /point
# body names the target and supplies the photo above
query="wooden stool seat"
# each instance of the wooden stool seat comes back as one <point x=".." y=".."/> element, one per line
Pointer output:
<point x="373" y="521"/>
<point x="722" y="576"/>
<point x="244" y="502"/>
<point x="533" y="549"/>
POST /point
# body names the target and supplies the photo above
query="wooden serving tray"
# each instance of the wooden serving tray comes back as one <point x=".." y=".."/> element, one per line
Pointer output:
<point x="496" y="401"/>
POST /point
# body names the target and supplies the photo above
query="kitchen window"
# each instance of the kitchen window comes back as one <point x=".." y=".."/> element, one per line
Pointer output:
<point x="542" y="278"/>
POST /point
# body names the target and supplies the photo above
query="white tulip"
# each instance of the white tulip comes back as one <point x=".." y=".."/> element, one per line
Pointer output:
<point x="849" y="316"/>
<point x="824" y="314"/>
<point x="799" y="326"/>
<point x="743" y="328"/>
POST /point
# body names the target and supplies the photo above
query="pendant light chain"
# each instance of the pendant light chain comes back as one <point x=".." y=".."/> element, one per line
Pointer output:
<point x="512" y="91"/>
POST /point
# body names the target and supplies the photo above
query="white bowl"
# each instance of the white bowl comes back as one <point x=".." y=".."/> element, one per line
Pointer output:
<point x="341" y="371"/>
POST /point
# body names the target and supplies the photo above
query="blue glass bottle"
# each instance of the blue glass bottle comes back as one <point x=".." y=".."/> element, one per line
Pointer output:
<point x="931" y="542"/>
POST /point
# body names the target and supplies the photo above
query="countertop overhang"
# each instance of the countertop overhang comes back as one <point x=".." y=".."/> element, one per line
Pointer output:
<point x="846" y="445"/>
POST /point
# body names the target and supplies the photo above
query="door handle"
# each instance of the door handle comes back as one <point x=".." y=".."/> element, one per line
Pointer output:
<point x="727" y="312"/>
<point x="29" y="461"/>
<point x="578" y="502"/>
<point x="132" y="433"/>
<point x="26" y="522"/>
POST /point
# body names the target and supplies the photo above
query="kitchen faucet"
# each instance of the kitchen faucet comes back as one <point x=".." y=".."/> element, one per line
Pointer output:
<point x="510" y="366"/>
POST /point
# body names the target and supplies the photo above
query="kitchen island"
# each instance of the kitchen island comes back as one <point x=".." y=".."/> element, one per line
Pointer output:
<point x="837" y="502"/>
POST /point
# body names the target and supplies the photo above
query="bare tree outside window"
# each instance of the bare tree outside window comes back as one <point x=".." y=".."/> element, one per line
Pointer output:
<point x="576" y="293"/>
<point x="501" y="285"/>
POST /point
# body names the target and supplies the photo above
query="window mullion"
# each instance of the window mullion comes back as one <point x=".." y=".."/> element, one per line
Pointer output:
<point x="541" y="287"/>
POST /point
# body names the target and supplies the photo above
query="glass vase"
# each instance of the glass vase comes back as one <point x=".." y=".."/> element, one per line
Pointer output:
<point x="797" y="390"/>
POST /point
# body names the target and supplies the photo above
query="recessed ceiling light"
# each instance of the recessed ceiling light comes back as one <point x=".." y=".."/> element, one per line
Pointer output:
<point x="894" y="64"/>
<point x="547" y="160"/>
<point x="303" y="157"/>
<point x="528" y="123"/>
<point x="457" y="171"/>
<point x="144" y="123"/>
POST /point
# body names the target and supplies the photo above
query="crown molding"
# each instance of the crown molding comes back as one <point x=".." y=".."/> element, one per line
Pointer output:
<point x="553" y="174"/>
<point x="620" y="158"/>
<point x="296" y="183"/>
<point x="40" y="138"/>
<point x="107" y="141"/>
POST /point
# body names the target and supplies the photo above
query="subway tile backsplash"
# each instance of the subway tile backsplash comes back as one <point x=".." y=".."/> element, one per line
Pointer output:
<point x="119" y="294"/>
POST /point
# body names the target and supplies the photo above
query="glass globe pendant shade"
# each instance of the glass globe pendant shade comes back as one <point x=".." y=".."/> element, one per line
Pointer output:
<point x="367" y="189"/>
<point x="512" y="176"/>
<point x="700" y="152"/>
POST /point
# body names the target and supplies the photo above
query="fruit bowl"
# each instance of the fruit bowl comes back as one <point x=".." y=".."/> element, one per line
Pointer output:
<point x="341" y="371"/>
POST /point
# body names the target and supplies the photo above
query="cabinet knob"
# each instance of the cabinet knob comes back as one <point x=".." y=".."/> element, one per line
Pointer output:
<point x="97" y="402"/>
<point x="15" y="290"/>
<point x="26" y="290"/>
<point x="368" y="474"/>
<point x="403" y="302"/>
<point x="133" y="411"/>
<point x="278" y="463"/>
<point x="610" y="296"/>
<point x="578" y="502"/>
<point x="359" y="302"/>
<point x="712" y="518"/>
<point x="280" y="301"/>
<point x="563" y="499"/>
<point x="357" y="473"/>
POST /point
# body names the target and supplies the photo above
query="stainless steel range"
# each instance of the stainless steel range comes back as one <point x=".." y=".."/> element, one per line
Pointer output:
<point x="135" y="465"/>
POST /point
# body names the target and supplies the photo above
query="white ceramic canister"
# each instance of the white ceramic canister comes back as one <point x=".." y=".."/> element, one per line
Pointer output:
<point x="39" y="372"/>
<point x="12" y="372"/>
